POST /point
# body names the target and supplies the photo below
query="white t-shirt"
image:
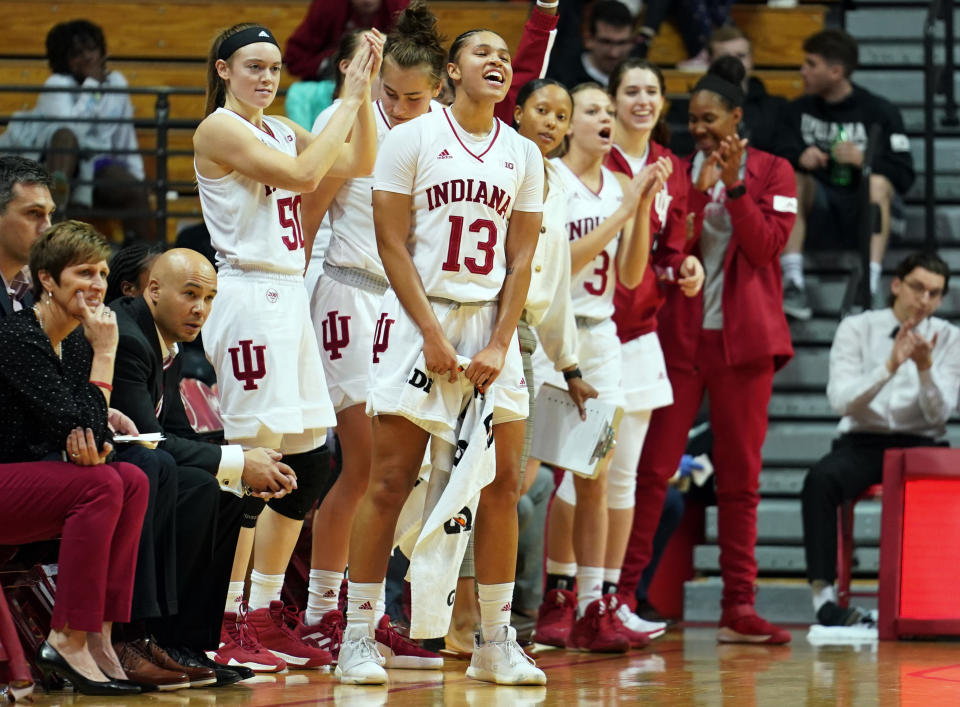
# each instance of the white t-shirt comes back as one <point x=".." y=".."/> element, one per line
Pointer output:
<point x="253" y="225"/>
<point x="464" y="190"/>
<point x="593" y="286"/>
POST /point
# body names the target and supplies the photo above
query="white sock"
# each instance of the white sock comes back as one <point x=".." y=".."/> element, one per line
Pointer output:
<point x="589" y="587"/>
<point x="611" y="575"/>
<point x="823" y="595"/>
<point x="564" y="569"/>
<point x="792" y="264"/>
<point x="264" y="588"/>
<point x="234" y="596"/>
<point x="495" y="604"/>
<point x="381" y="607"/>
<point x="322" y="594"/>
<point x="876" y="270"/>
<point x="361" y="604"/>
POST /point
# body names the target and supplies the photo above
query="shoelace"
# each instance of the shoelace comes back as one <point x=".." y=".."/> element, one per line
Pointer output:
<point x="515" y="654"/>
<point x="247" y="637"/>
<point x="334" y="629"/>
<point x="287" y="619"/>
<point x="394" y="639"/>
<point x="367" y="650"/>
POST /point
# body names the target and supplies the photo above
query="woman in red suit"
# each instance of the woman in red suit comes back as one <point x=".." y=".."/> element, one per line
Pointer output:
<point x="727" y="341"/>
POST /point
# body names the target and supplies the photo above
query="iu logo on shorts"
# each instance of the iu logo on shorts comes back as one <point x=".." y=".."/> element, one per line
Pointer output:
<point x="381" y="336"/>
<point x="336" y="337"/>
<point x="250" y="372"/>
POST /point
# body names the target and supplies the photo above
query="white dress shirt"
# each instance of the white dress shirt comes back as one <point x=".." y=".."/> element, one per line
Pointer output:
<point x="909" y="401"/>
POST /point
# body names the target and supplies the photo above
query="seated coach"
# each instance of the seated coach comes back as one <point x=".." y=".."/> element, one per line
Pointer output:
<point x="894" y="377"/>
<point x="171" y="310"/>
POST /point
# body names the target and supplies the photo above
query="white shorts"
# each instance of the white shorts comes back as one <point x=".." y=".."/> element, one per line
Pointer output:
<point x="344" y="318"/>
<point x="599" y="360"/>
<point x="398" y="387"/>
<point x="645" y="382"/>
<point x="270" y="377"/>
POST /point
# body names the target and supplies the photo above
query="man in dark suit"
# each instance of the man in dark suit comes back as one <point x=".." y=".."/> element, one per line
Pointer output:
<point x="25" y="210"/>
<point x="172" y="309"/>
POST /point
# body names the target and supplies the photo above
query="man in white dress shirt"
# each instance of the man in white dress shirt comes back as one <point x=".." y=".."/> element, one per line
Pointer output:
<point x="894" y="378"/>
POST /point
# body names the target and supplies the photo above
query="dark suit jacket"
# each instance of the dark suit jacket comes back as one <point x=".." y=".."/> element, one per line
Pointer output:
<point x="139" y="381"/>
<point x="6" y="303"/>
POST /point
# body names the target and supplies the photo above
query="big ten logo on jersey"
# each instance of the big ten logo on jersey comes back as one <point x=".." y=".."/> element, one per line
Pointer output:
<point x="460" y="523"/>
<point x="252" y="366"/>
<point x="336" y="334"/>
<point x="288" y="211"/>
<point x="381" y="336"/>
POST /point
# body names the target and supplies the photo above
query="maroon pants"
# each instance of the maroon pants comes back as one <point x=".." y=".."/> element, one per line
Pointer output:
<point x="98" y="512"/>
<point x="739" y="396"/>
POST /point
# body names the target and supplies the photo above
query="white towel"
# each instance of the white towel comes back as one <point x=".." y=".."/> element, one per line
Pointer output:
<point x="446" y="507"/>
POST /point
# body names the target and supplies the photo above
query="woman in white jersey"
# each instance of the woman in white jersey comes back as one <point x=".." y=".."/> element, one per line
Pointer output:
<point x="345" y="307"/>
<point x="457" y="204"/>
<point x="607" y="224"/>
<point x="251" y="170"/>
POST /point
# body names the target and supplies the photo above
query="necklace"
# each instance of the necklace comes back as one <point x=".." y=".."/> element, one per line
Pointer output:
<point x="56" y="349"/>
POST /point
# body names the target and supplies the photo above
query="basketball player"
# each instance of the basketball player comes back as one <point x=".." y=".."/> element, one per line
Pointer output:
<point x="345" y="308"/>
<point x="251" y="170"/>
<point x="457" y="204"/>
<point x="608" y="227"/>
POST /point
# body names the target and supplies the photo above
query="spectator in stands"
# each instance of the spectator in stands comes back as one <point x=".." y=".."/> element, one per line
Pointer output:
<point x="763" y="114"/>
<point x="172" y="308"/>
<point x="830" y="127"/>
<point x="894" y="377"/>
<point x="56" y="368"/>
<point x="727" y="341"/>
<point x="87" y="160"/>
<point x="610" y="37"/>
<point x="696" y="21"/>
<point x="313" y="44"/>
<point x="25" y="210"/>
<point x="130" y="270"/>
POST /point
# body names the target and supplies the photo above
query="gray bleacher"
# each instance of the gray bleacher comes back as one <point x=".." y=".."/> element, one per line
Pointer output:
<point x="801" y="421"/>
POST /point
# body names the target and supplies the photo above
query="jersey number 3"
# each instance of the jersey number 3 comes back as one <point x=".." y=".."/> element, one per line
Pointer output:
<point x="289" y="208"/>
<point x="452" y="263"/>
<point x="602" y="270"/>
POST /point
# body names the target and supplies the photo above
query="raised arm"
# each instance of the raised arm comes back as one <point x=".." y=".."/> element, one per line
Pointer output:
<point x="634" y="250"/>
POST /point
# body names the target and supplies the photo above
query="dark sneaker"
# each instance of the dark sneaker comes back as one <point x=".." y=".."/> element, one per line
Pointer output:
<point x="795" y="303"/>
<point x="830" y="614"/>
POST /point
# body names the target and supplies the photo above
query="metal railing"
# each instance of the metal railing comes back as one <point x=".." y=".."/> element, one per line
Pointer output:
<point x="937" y="80"/>
<point x="161" y="123"/>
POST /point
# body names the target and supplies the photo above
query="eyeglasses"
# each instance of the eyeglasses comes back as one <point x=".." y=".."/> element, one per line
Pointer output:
<point x="919" y="290"/>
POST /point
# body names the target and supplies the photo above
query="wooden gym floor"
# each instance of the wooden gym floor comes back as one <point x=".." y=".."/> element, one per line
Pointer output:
<point x="682" y="668"/>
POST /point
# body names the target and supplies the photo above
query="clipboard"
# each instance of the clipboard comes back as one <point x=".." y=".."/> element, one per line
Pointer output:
<point x="562" y="439"/>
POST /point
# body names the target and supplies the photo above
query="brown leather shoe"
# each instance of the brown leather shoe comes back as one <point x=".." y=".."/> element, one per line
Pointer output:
<point x="199" y="675"/>
<point x="140" y="669"/>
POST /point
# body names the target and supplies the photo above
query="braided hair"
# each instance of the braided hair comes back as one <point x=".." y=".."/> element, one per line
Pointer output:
<point x="127" y="265"/>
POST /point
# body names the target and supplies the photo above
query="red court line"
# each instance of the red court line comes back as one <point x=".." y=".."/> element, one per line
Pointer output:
<point x="926" y="676"/>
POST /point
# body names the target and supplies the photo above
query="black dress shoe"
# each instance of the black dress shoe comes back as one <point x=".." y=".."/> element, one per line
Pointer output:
<point x="226" y="675"/>
<point x="53" y="665"/>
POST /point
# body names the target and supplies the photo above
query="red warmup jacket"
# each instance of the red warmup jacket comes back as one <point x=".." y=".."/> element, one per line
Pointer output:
<point x="318" y="36"/>
<point x="754" y="326"/>
<point x="635" y="310"/>
<point x="530" y="60"/>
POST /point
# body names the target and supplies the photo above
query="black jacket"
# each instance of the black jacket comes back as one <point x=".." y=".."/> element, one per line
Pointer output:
<point x="139" y="381"/>
<point x="6" y="303"/>
<point x="813" y="121"/>
<point x="763" y="118"/>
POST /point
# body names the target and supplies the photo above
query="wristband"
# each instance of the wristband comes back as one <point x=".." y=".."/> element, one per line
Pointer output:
<point x="737" y="190"/>
<point x="106" y="386"/>
<point x="548" y="5"/>
<point x="571" y="374"/>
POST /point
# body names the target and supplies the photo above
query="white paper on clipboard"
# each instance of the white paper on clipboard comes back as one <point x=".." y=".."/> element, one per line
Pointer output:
<point x="562" y="439"/>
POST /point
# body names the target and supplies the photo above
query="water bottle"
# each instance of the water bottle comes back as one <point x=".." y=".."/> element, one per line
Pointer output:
<point x="841" y="174"/>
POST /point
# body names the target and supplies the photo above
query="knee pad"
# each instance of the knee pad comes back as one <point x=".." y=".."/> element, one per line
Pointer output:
<point x="252" y="507"/>
<point x="621" y="489"/>
<point x="565" y="491"/>
<point x="315" y="477"/>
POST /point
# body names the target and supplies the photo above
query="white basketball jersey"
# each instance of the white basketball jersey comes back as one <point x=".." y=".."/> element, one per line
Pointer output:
<point x="592" y="287"/>
<point x="253" y="225"/>
<point x="353" y="242"/>
<point x="464" y="190"/>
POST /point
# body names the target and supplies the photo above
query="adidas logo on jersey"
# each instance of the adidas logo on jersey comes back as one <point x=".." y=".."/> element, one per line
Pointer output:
<point x="445" y="155"/>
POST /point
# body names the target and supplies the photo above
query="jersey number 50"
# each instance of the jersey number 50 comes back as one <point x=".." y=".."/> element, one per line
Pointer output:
<point x="452" y="263"/>
<point x="289" y="208"/>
